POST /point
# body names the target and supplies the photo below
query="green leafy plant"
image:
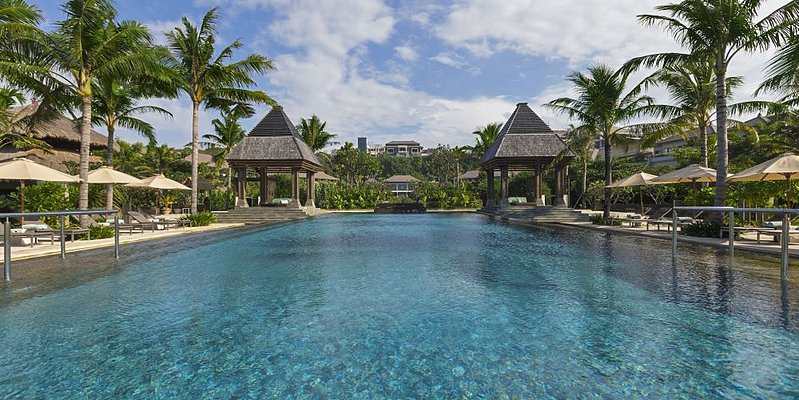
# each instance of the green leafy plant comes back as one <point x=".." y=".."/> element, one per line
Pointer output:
<point x="701" y="229"/>
<point x="101" y="232"/>
<point x="203" y="218"/>
<point x="598" y="219"/>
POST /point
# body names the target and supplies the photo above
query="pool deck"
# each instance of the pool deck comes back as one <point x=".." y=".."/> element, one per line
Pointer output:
<point x="748" y="243"/>
<point x="46" y="249"/>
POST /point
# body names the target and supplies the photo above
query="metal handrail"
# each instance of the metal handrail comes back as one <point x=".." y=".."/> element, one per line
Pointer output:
<point x="730" y="211"/>
<point x="61" y="215"/>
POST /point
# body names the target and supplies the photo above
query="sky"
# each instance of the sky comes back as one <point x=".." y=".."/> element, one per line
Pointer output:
<point x="430" y="71"/>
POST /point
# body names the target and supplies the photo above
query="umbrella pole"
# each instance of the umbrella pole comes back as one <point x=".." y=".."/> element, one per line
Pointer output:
<point x="788" y="182"/>
<point x="22" y="200"/>
<point x="641" y="197"/>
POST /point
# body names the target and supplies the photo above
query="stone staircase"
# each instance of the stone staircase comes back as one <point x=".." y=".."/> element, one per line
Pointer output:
<point x="542" y="214"/>
<point x="263" y="215"/>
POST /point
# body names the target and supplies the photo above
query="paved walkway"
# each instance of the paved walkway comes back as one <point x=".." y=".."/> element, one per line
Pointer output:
<point x="47" y="249"/>
<point x="747" y="242"/>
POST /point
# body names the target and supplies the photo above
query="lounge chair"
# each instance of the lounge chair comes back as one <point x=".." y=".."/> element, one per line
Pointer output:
<point x="31" y="234"/>
<point x="41" y="226"/>
<point x="152" y="223"/>
<point x="123" y="227"/>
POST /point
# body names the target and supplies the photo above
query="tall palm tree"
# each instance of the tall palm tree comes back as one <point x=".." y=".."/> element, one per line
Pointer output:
<point x="604" y="105"/>
<point x="314" y="134"/>
<point x="115" y="103"/>
<point x="486" y="135"/>
<point x="228" y="132"/>
<point x="782" y="74"/>
<point x="719" y="30"/>
<point x="580" y="141"/>
<point x="14" y="123"/>
<point x="208" y="79"/>
<point x="88" y="44"/>
<point x="692" y="89"/>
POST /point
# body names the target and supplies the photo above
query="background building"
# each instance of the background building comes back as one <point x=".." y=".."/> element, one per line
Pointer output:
<point x="403" y="148"/>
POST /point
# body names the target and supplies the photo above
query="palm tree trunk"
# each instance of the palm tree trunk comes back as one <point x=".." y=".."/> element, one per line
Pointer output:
<point x="721" y="134"/>
<point x="608" y="177"/>
<point x="195" y="153"/>
<point x="109" y="161"/>
<point x="229" y="183"/>
<point x="85" y="141"/>
<point x="703" y="143"/>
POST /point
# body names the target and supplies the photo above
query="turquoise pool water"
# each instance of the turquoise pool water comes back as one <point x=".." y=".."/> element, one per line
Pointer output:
<point x="428" y="306"/>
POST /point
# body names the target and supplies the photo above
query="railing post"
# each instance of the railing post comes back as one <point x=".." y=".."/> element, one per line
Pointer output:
<point x="116" y="239"/>
<point x="673" y="234"/>
<point x="63" y="238"/>
<point x="786" y="240"/>
<point x="731" y="230"/>
<point x="7" y="251"/>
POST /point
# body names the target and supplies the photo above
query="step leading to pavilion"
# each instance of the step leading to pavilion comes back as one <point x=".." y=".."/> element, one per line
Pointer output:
<point x="536" y="214"/>
<point x="264" y="215"/>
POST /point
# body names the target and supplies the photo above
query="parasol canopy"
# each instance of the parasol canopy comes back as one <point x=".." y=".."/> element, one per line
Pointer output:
<point x="159" y="182"/>
<point x="110" y="175"/>
<point x="693" y="173"/>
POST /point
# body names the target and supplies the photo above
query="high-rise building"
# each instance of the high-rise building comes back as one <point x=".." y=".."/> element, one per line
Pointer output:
<point x="362" y="146"/>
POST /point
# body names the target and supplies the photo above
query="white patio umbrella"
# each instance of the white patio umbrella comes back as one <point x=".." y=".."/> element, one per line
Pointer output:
<point x="784" y="167"/>
<point x="639" y="179"/>
<point x="693" y="173"/>
<point x="159" y="182"/>
<point x="110" y="175"/>
<point x="22" y="169"/>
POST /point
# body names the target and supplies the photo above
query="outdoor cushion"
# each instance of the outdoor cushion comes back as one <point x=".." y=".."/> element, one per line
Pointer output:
<point x="517" y="200"/>
<point x="772" y="224"/>
<point x="282" y="201"/>
<point x="35" y="226"/>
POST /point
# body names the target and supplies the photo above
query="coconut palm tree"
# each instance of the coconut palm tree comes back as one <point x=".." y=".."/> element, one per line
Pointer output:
<point x="314" y="134"/>
<point x="719" y="30"/>
<point x="228" y="132"/>
<point x="692" y="90"/>
<point x="604" y="105"/>
<point x="486" y="135"/>
<point x="581" y="141"/>
<point x="13" y="123"/>
<point x="115" y="103"/>
<point x="88" y="44"/>
<point x="209" y="78"/>
<point x="782" y="74"/>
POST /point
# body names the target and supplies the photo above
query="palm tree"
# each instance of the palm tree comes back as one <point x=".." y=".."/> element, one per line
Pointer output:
<point x="580" y="141"/>
<point x="14" y="122"/>
<point x="227" y="133"/>
<point x="782" y="74"/>
<point x="604" y="105"/>
<point x="88" y="44"/>
<point x="314" y="134"/>
<point x="115" y="103"/>
<point x="692" y="89"/>
<point x="719" y="30"/>
<point x="486" y="135"/>
<point x="206" y="78"/>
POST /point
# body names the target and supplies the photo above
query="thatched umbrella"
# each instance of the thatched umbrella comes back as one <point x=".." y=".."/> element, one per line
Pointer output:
<point x="784" y="167"/>
<point x="640" y="179"/>
<point x="22" y="169"/>
<point x="693" y="173"/>
<point x="109" y="175"/>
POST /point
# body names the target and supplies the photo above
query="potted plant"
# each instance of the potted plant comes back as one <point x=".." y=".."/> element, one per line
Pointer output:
<point x="166" y="204"/>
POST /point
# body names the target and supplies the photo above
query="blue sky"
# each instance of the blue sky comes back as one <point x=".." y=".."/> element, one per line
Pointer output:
<point x="430" y="71"/>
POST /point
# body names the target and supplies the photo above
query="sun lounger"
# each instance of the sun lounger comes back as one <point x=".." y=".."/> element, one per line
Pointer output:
<point x="29" y="234"/>
<point x="123" y="227"/>
<point x="41" y="226"/>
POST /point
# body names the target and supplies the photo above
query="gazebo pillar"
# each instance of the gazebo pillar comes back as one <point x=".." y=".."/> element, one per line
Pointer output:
<point x="559" y="186"/>
<point x="503" y="188"/>
<point x="567" y="186"/>
<point x="490" y="189"/>
<point x="538" y="183"/>
<point x="264" y="185"/>
<point x="310" y="185"/>
<point x="241" y="186"/>
<point x="295" y="188"/>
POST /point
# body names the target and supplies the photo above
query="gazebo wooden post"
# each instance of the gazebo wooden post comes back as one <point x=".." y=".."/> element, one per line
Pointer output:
<point x="241" y="186"/>
<point x="567" y="186"/>
<point x="559" y="202"/>
<point x="295" y="188"/>
<point x="503" y="176"/>
<point x="310" y="184"/>
<point x="490" y="189"/>
<point x="538" y="183"/>
<point x="263" y="173"/>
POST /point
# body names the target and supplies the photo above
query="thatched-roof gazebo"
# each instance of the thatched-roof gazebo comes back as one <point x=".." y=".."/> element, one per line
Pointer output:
<point x="526" y="143"/>
<point x="274" y="146"/>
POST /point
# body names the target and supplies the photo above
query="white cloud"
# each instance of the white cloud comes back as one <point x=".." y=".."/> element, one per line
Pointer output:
<point x="406" y="53"/>
<point x="455" y="61"/>
<point x="159" y="29"/>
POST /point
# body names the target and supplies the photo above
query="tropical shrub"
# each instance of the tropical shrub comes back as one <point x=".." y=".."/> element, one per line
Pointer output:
<point x="339" y="196"/>
<point x="203" y="218"/>
<point x="101" y="232"/>
<point x="701" y="229"/>
<point x="598" y="219"/>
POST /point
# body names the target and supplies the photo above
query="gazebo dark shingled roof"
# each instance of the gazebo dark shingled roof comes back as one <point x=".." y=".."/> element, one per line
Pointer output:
<point x="274" y="143"/>
<point x="524" y="140"/>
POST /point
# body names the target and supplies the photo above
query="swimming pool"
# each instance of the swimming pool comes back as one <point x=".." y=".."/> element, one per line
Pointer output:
<point x="419" y="306"/>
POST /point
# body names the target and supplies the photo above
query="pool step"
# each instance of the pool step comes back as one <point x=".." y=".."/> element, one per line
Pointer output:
<point x="263" y="215"/>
